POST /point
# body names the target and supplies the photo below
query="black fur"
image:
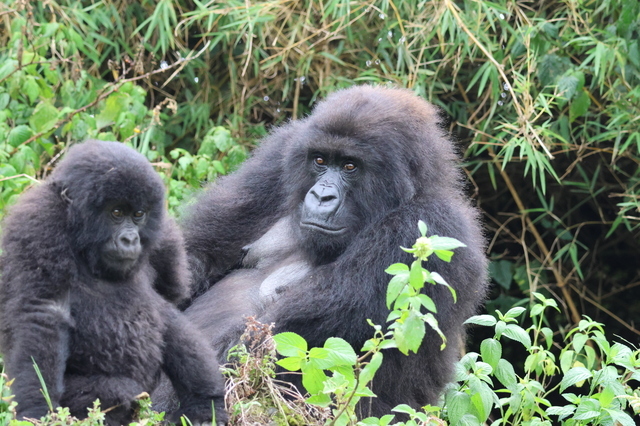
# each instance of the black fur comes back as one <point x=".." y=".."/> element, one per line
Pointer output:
<point x="92" y="311"/>
<point x="405" y="170"/>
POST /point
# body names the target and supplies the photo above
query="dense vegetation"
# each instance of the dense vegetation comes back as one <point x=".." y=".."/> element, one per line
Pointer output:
<point x="544" y="98"/>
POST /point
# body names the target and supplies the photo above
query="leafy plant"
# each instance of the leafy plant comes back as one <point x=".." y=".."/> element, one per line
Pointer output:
<point x="597" y="379"/>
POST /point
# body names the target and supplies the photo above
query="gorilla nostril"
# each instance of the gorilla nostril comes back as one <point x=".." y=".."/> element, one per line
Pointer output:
<point x="328" y="197"/>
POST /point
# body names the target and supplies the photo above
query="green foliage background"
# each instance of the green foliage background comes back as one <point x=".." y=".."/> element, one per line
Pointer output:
<point x="544" y="98"/>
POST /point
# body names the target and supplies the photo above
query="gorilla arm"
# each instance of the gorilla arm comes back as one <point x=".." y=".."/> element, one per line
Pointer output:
<point x="233" y="211"/>
<point x="190" y="364"/>
<point x="170" y="264"/>
<point x="35" y="317"/>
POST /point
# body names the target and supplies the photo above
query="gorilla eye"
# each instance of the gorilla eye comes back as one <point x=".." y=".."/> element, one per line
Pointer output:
<point x="320" y="161"/>
<point x="117" y="213"/>
<point x="139" y="214"/>
<point x="349" y="166"/>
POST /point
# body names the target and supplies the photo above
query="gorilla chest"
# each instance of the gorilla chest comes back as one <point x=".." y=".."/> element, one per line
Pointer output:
<point x="116" y="330"/>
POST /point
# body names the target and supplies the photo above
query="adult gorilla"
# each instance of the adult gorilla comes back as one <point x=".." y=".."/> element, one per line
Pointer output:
<point x="90" y="266"/>
<point x="344" y="189"/>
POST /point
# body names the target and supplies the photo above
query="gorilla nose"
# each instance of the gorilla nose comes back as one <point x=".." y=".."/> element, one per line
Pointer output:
<point x="325" y="194"/>
<point x="322" y="200"/>
<point x="129" y="239"/>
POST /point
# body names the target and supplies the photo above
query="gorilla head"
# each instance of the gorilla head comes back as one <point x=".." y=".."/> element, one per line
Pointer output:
<point x="360" y="155"/>
<point x="115" y="206"/>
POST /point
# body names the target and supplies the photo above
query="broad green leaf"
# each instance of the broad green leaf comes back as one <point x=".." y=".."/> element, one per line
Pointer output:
<point x="369" y="370"/>
<point x="502" y="273"/>
<point x="115" y="104"/>
<point x="290" y="364"/>
<point x="396" y="285"/>
<point x="491" y="351"/>
<point x="506" y="374"/>
<point x="313" y="379"/>
<point x="416" y="278"/>
<point x="44" y="117"/>
<point x="321" y="400"/>
<point x="457" y="405"/>
<point x="31" y="88"/>
<point x="410" y="333"/>
<point x="562" y="412"/>
<point x="428" y="303"/>
<point x="515" y="332"/>
<point x="290" y="344"/>
<point x="19" y="134"/>
<point x="486" y="320"/>
<point x="397" y="268"/>
<point x="579" y="106"/>
<point x="514" y="312"/>
<point x="318" y="358"/>
<point x="339" y="352"/>
<point x="578" y="341"/>
<point x="444" y="255"/>
<point x="573" y="376"/>
<point x="445" y="243"/>
<point x="4" y="100"/>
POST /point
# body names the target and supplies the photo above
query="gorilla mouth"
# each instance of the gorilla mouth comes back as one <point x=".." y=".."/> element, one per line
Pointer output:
<point x="315" y="226"/>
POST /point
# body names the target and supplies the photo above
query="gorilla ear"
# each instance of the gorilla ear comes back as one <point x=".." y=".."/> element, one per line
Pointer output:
<point x="65" y="197"/>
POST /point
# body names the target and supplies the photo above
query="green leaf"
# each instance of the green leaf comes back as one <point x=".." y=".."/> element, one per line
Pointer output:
<point x="579" y="106"/>
<point x="421" y="226"/>
<point x="551" y="67"/>
<point x="517" y="333"/>
<point x="457" y="405"/>
<point x="620" y="417"/>
<point x="502" y="273"/>
<point x="44" y="117"/>
<point x="563" y="412"/>
<point x="290" y="344"/>
<point x="31" y="88"/>
<point x="486" y="320"/>
<point x="395" y="287"/>
<point x="445" y="243"/>
<point x="428" y="303"/>
<point x="318" y="358"/>
<point x="397" y="268"/>
<point x="369" y="370"/>
<point x="409" y="334"/>
<point x="491" y="351"/>
<point x="573" y="376"/>
<point x="321" y="400"/>
<point x="115" y="104"/>
<point x="445" y="255"/>
<point x="19" y="134"/>
<point x="340" y="352"/>
<point x="290" y="364"/>
<point x="506" y="374"/>
<point x="416" y="278"/>
<point x="578" y="342"/>
<point x="514" y="312"/>
<point x="4" y="100"/>
<point x="588" y="409"/>
<point x="313" y="379"/>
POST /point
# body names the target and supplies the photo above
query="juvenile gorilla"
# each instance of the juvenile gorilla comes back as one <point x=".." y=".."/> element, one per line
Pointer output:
<point x="352" y="180"/>
<point x="91" y="267"/>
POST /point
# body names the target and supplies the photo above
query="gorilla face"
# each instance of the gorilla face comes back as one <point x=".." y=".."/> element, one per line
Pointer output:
<point x="121" y="252"/>
<point x="324" y="209"/>
<point x="328" y="218"/>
